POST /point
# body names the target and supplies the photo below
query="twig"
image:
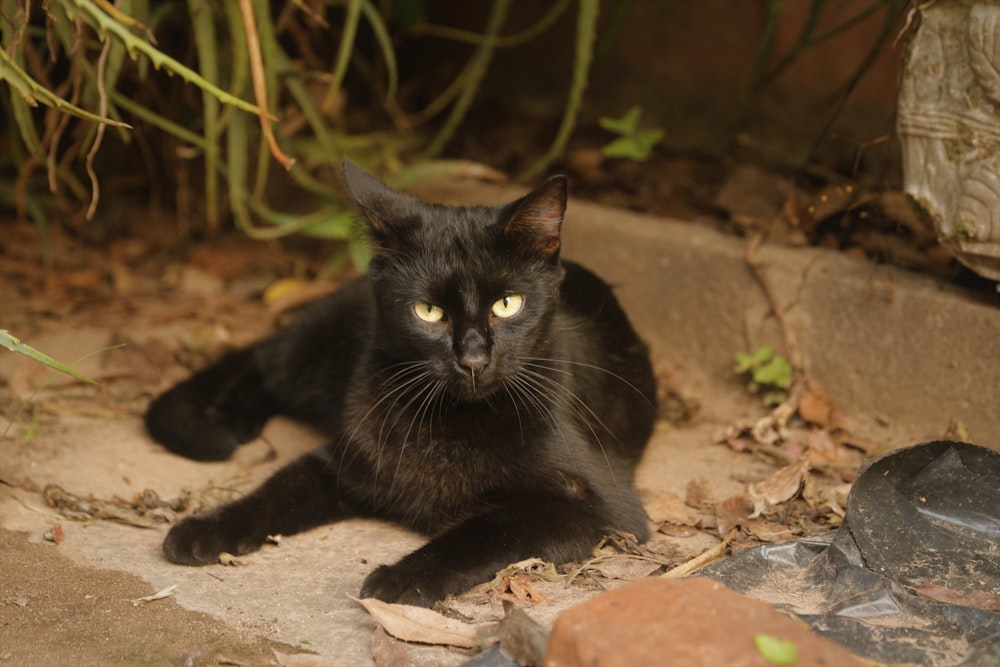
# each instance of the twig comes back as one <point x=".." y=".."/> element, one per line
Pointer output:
<point x="703" y="559"/>
<point x="260" y="83"/>
<point x="783" y="412"/>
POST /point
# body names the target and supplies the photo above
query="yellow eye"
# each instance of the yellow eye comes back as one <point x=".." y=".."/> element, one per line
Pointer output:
<point x="509" y="306"/>
<point x="428" y="312"/>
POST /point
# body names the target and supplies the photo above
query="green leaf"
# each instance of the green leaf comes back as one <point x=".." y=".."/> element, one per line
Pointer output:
<point x="776" y="373"/>
<point x="747" y="361"/>
<point x="338" y="226"/>
<point x="776" y="651"/>
<point x="15" y="345"/>
<point x="32" y="92"/>
<point x="105" y="24"/>
<point x="627" y="124"/>
<point x="634" y="146"/>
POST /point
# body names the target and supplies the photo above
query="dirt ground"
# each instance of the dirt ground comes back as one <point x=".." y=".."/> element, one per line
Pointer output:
<point x="86" y="497"/>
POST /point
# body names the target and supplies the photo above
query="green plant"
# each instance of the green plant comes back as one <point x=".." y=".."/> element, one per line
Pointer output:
<point x="769" y="374"/>
<point x="15" y="345"/>
<point x="94" y="65"/>
<point x="632" y="143"/>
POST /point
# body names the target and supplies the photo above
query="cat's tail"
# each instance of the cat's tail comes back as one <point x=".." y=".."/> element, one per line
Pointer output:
<point x="214" y="411"/>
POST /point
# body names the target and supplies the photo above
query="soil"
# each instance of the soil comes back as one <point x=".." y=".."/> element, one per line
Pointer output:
<point x="57" y="612"/>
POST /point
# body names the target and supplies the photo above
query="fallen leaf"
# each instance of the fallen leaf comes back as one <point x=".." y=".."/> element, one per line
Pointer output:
<point x="816" y="406"/>
<point x="732" y="512"/>
<point x="668" y="507"/>
<point x="418" y="624"/>
<point x="769" y="531"/>
<point x="543" y="569"/>
<point x="783" y="486"/>
<point x="387" y="651"/>
<point x="826" y="496"/>
<point x="702" y="560"/>
<point x="676" y="530"/>
<point x="159" y="595"/>
<point x="697" y="495"/>
<point x="625" y="568"/>
<point x="977" y="599"/>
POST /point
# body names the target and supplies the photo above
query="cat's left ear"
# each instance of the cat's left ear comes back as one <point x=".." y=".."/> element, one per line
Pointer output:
<point x="387" y="212"/>
<point x="536" y="219"/>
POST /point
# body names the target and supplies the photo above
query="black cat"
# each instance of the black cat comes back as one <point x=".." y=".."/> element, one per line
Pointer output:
<point x="472" y="387"/>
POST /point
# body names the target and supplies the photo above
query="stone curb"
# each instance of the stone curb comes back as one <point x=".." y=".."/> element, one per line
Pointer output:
<point x="912" y="353"/>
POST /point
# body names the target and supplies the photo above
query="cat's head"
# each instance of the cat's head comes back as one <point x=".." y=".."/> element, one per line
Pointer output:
<point x="469" y="293"/>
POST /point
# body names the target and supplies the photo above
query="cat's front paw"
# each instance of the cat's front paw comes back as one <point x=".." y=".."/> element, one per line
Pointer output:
<point x="402" y="585"/>
<point x="200" y="540"/>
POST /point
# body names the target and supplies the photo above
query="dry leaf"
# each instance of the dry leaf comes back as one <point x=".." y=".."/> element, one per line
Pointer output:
<point x="698" y="495"/>
<point x="702" y="560"/>
<point x="159" y="595"/>
<point x="519" y="586"/>
<point x="783" y="486"/>
<point x="625" y="568"/>
<point x="543" y="569"/>
<point x="769" y="531"/>
<point x="676" y="530"/>
<point x="732" y="512"/>
<point x="816" y="407"/>
<point x="819" y="496"/>
<point x="417" y="624"/>
<point x="668" y="507"/>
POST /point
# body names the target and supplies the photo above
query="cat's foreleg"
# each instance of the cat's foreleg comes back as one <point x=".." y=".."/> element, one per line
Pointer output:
<point x="300" y="496"/>
<point x="473" y="551"/>
<point x="218" y="408"/>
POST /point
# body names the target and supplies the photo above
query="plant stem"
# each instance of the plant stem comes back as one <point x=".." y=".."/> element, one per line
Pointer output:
<point x="586" y="25"/>
<point x="477" y="67"/>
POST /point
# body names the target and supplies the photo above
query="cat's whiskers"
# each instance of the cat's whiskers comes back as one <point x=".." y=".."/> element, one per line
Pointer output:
<point x="534" y="396"/>
<point x="573" y="402"/>
<point x="431" y="394"/>
<point x="414" y="389"/>
<point x="397" y="383"/>
<point x="600" y="369"/>
<point x="517" y="410"/>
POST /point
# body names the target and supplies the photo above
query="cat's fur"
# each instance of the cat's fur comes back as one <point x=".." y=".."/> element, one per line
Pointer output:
<point x="502" y="438"/>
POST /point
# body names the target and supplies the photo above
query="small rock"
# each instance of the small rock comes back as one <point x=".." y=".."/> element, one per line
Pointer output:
<point x="681" y="622"/>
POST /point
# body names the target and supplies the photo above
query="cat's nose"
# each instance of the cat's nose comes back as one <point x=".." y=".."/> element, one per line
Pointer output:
<point x="473" y="352"/>
<point x="474" y="362"/>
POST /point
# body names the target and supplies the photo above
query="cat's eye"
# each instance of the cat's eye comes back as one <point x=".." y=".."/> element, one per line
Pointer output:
<point x="428" y="312"/>
<point x="509" y="306"/>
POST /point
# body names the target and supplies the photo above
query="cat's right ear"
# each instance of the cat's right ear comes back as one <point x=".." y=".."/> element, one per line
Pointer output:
<point x="386" y="212"/>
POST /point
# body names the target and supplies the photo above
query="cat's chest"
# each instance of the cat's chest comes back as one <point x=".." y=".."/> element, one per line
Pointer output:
<point x="469" y="450"/>
<point x="451" y="462"/>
